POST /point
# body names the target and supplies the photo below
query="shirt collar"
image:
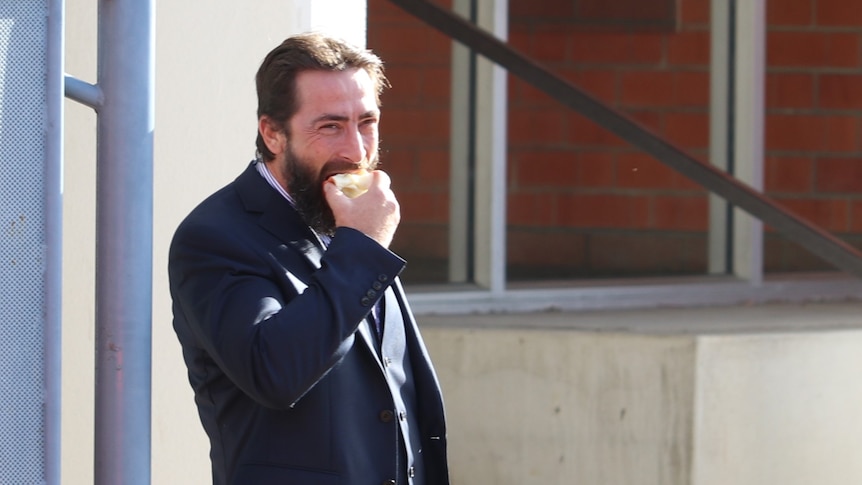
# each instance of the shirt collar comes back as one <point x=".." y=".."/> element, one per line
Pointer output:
<point x="263" y="170"/>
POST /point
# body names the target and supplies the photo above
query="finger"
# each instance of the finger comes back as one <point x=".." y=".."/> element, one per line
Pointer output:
<point x="382" y="179"/>
<point x="331" y="191"/>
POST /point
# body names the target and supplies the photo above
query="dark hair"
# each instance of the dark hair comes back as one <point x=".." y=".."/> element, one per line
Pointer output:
<point x="276" y="77"/>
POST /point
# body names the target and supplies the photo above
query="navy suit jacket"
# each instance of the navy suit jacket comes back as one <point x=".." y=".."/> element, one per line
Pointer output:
<point x="285" y="368"/>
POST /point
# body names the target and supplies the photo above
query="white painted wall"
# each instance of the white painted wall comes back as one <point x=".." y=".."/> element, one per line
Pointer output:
<point x="207" y="53"/>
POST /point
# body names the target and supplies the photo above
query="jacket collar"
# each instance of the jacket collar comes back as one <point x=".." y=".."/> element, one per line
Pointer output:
<point x="277" y="215"/>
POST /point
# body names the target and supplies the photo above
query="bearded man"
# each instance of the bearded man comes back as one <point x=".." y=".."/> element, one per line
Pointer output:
<point x="305" y="360"/>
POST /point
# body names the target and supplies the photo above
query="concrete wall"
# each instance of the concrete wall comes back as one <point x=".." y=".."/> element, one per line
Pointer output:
<point x="564" y="407"/>
<point x="757" y="395"/>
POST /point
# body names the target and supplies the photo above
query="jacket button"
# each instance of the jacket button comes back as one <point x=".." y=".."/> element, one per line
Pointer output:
<point x="383" y="278"/>
<point x="365" y="301"/>
<point x="370" y="293"/>
<point x="387" y="416"/>
<point x="377" y="285"/>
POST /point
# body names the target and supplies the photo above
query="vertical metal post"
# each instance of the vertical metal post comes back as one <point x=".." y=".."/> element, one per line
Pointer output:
<point x="490" y="192"/>
<point x="53" y="323"/>
<point x="749" y="120"/>
<point x="124" y="217"/>
<point x="720" y="112"/>
<point x="736" y="131"/>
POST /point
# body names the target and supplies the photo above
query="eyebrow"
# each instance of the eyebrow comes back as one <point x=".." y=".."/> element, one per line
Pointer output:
<point x="334" y="117"/>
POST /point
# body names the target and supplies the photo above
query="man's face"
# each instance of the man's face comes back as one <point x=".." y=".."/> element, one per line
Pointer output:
<point x="333" y="131"/>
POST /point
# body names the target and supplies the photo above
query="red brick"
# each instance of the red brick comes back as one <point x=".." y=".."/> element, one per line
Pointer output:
<point x="677" y="213"/>
<point x="434" y="168"/>
<point x="599" y="83"/>
<point x="839" y="13"/>
<point x="520" y="41"/>
<point x="788" y="174"/>
<point x="420" y="240"/>
<point x="616" y="48"/>
<point x="586" y="132"/>
<point x="813" y="49"/>
<point x="518" y="9"/>
<point x="598" y="169"/>
<point x="839" y="175"/>
<point x="647" y="253"/>
<point x="856" y="216"/>
<point x="535" y="126"/>
<point x="530" y="209"/>
<point x="414" y="126"/>
<point x="647" y="48"/>
<point x="841" y="133"/>
<point x="689" y="48"/>
<point x="687" y="130"/>
<point x="406" y="87"/>
<point x="650" y="119"/>
<point x="691" y="88"/>
<point x="694" y="11"/>
<point x="627" y="13"/>
<point x="604" y="210"/>
<point x="412" y="43"/>
<point x="841" y="91"/>
<point x="547" y="168"/>
<point x="401" y="165"/>
<point x="830" y="214"/>
<point x="647" y="88"/>
<point x="526" y="247"/>
<point x="642" y="171"/>
<point x="790" y="12"/>
<point x="550" y="46"/>
<point x="811" y="133"/>
<point x="562" y="169"/>
<point x="789" y="90"/>
<point x="384" y="10"/>
<point x="436" y="86"/>
<point x="424" y="206"/>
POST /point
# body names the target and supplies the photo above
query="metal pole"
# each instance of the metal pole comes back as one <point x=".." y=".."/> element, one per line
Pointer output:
<point x="53" y="324"/>
<point x="124" y="217"/>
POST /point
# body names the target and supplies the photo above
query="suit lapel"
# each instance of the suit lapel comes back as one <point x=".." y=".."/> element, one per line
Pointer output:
<point x="277" y="216"/>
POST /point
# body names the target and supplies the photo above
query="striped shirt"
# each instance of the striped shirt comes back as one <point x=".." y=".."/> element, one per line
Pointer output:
<point x="263" y="170"/>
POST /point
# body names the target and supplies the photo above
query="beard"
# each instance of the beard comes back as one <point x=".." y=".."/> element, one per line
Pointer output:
<point x="305" y="186"/>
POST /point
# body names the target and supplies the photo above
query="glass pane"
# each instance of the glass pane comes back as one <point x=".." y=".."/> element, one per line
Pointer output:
<point x="582" y="202"/>
<point x="415" y="135"/>
<point x="813" y="103"/>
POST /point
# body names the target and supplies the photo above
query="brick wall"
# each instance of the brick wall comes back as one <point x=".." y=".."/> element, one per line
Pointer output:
<point x="583" y="203"/>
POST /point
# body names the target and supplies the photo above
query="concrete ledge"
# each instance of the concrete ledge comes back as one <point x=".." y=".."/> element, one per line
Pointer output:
<point x="744" y="395"/>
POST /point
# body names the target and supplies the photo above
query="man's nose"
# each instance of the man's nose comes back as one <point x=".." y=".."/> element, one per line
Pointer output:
<point x="353" y="148"/>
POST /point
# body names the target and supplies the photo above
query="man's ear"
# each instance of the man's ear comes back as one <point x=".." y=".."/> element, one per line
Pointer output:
<point x="273" y="135"/>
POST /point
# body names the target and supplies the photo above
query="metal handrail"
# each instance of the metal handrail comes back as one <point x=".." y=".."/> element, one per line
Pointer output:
<point x="810" y="236"/>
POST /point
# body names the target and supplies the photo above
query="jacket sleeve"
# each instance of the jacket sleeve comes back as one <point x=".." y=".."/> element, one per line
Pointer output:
<point x="241" y="306"/>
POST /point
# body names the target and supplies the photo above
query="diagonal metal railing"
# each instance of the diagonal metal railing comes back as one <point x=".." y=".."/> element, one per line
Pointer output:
<point x="810" y="236"/>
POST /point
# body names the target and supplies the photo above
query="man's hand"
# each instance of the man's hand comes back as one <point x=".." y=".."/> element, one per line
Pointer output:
<point x="375" y="213"/>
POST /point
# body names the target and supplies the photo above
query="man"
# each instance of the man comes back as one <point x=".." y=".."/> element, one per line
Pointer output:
<point x="307" y="365"/>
